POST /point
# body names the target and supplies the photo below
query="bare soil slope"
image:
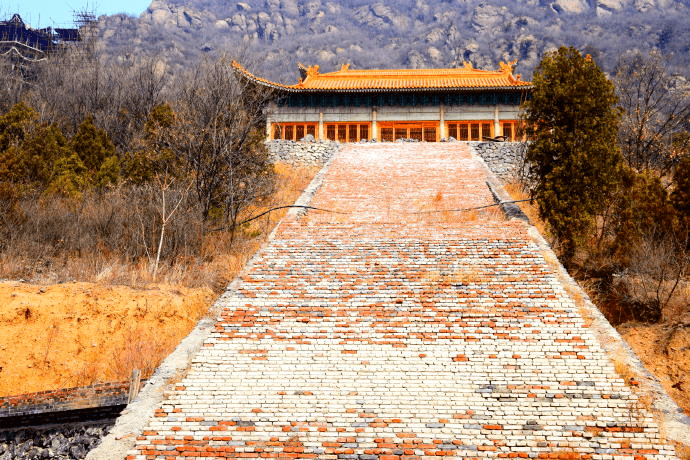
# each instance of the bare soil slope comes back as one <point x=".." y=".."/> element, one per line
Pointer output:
<point x="665" y="351"/>
<point x="79" y="333"/>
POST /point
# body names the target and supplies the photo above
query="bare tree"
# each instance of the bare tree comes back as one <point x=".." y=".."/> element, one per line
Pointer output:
<point x="78" y="81"/>
<point x="658" y="266"/>
<point x="169" y="205"/>
<point x="220" y="119"/>
<point x="656" y="109"/>
<point x="15" y="80"/>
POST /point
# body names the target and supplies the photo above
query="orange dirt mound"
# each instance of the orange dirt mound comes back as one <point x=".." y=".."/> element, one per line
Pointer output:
<point x="665" y="351"/>
<point x="77" y="334"/>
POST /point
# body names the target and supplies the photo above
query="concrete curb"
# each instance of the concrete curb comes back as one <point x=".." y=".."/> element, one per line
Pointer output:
<point x="673" y="422"/>
<point x="137" y="414"/>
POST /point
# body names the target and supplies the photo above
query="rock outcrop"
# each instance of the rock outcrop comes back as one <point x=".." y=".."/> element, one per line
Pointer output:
<point x="415" y="33"/>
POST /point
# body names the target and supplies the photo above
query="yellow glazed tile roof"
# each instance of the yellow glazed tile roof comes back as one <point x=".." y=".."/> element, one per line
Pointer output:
<point x="347" y="79"/>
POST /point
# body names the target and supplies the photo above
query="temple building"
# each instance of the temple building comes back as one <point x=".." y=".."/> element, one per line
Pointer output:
<point x="20" y="41"/>
<point x="423" y="104"/>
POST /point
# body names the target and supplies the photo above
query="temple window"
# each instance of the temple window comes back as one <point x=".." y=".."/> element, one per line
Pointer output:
<point x="507" y="130"/>
<point x="419" y="131"/>
<point x="350" y="132"/>
<point x="364" y="131"/>
<point x="293" y="131"/>
<point x="470" y="130"/>
<point x="474" y="132"/>
<point x="510" y="130"/>
<point x="430" y="134"/>
<point x="416" y="133"/>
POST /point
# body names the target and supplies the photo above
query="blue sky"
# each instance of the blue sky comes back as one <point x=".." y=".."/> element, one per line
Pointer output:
<point x="58" y="13"/>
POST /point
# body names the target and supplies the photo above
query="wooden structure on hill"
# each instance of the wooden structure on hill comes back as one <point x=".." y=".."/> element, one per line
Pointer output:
<point x="19" y="41"/>
<point x="421" y="104"/>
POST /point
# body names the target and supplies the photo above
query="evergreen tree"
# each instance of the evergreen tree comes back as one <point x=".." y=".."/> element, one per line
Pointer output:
<point x="92" y="145"/>
<point x="643" y="211"/>
<point x="573" y="157"/>
<point x="43" y="146"/>
<point x="28" y="148"/>
<point x="13" y="125"/>
<point x="680" y="197"/>
<point x="69" y="177"/>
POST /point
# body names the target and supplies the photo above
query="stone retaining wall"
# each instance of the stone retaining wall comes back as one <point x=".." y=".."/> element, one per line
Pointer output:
<point x="503" y="158"/>
<point x="65" y="399"/>
<point x="59" y="424"/>
<point x="63" y="442"/>
<point x="307" y="152"/>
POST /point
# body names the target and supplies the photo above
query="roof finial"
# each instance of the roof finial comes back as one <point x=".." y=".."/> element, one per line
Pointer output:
<point x="345" y="67"/>
<point x="507" y="67"/>
<point x="302" y="71"/>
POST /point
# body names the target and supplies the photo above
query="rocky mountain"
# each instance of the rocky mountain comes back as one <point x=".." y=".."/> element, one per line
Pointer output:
<point x="273" y="35"/>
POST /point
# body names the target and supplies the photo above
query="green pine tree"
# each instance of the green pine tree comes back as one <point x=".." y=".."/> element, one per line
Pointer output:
<point x="13" y="125"/>
<point x="573" y="157"/>
<point x="680" y="197"/>
<point x="69" y="177"/>
<point x="92" y="145"/>
<point x="39" y="152"/>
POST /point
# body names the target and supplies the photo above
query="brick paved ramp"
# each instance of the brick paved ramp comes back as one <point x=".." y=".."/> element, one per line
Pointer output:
<point x="386" y="333"/>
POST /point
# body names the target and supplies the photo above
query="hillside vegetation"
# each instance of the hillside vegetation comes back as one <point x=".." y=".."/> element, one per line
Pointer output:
<point x="123" y="193"/>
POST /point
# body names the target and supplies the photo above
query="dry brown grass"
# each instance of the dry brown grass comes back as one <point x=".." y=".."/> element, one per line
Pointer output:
<point x="438" y="208"/>
<point x="115" y="319"/>
<point x="682" y="451"/>
<point x="622" y="368"/>
<point x="111" y="239"/>
<point x="518" y="192"/>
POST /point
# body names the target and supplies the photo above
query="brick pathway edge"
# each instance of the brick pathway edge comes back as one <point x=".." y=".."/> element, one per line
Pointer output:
<point x="139" y="412"/>
<point x="672" y="420"/>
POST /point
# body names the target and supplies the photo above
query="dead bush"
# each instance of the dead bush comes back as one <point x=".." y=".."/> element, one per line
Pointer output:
<point x="113" y="235"/>
<point x="122" y="224"/>
<point x="650" y="282"/>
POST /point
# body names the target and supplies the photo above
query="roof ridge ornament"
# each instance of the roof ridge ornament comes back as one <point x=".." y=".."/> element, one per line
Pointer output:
<point x="302" y="71"/>
<point x="507" y="68"/>
<point x="467" y="65"/>
<point x="345" y="67"/>
<point x="17" y="20"/>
